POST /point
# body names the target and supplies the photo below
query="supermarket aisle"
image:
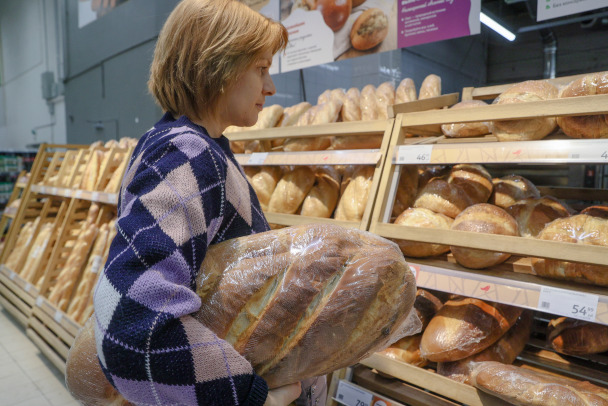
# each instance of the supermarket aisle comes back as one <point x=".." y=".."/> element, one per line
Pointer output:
<point x="27" y="378"/>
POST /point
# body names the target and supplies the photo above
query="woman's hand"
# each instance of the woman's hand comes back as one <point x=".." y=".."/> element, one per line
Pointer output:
<point x="283" y="395"/>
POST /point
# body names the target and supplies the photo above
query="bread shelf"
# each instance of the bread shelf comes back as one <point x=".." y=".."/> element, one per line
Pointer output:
<point x="342" y="157"/>
<point x="431" y="381"/>
<point x="310" y="131"/>
<point x="499" y="285"/>
<point x="99" y="197"/>
<point x="525" y="152"/>
<point x="18" y="296"/>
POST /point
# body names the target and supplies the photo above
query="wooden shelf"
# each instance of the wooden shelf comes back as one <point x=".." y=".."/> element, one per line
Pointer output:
<point x="341" y="157"/>
<point x="499" y="285"/>
<point x="431" y="381"/>
<point x="99" y="197"/>
<point x="525" y="152"/>
<point x="345" y="128"/>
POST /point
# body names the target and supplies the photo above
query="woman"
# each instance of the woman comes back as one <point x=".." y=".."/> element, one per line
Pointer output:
<point x="182" y="192"/>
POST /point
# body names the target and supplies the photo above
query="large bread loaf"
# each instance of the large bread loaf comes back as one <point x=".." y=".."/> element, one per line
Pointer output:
<point x="594" y="126"/>
<point x="521" y="386"/>
<point x="296" y="302"/>
<point x="577" y="337"/>
<point x="579" y="229"/>
<point x="466" y="326"/>
<point x="533" y="214"/>
<point x="425" y="218"/>
<point x="531" y="128"/>
<point x="505" y="350"/>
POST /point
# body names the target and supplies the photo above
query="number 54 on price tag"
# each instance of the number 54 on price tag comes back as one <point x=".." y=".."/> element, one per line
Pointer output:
<point x="578" y="305"/>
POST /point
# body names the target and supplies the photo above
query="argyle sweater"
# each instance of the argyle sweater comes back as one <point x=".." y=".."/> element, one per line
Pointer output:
<point x="182" y="192"/>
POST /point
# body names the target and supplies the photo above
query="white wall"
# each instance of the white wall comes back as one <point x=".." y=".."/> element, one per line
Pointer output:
<point x="31" y="44"/>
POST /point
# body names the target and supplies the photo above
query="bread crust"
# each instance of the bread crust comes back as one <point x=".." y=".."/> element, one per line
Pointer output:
<point x="369" y="29"/>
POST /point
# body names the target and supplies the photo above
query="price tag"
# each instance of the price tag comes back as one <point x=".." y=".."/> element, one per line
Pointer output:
<point x="257" y="158"/>
<point x="95" y="196"/>
<point x="351" y="395"/>
<point x="113" y="198"/>
<point x="67" y="192"/>
<point x="28" y="287"/>
<point x="578" y="305"/>
<point x="58" y="316"/>
<point x="43" y="189"/>
<point x="78" y="194"/>
<point x="414" y="154"/>
<point x="39" y="301"/>
<point x="54" y="191"/>
<point x="589" y="155"/>
<point x="12" y="276"/>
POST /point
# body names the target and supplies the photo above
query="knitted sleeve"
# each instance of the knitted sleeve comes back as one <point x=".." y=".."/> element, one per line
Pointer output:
<point x="150" y="349"/>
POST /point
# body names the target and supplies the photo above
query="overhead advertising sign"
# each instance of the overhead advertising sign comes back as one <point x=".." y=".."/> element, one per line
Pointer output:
<point x="424" y="21"/>
<point x="548" y="9"/>
<point x="323" y="31"/>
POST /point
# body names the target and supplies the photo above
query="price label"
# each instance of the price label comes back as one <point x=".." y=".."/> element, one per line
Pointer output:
<point x="414" y="154"/>
<point x="351" y="395"/>
<point x="113" y="198"/>
<point x="58" y="316"/>
<point x="43" y="190"/>
<point x="257" y="158"/>
<point x="578" y="305"/>
<point x="54" y="191"/>
<point x="589" y="155"/>
<point x="28" y="287"/>
<point x="12" y="276"/>
<point x="78" y="194"/>
<point x="95" y="196"/>
<point x="67" y="192"/>
<point x="39" y="301"/>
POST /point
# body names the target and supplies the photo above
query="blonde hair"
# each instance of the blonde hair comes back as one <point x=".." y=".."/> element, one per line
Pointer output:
<point x="204" y="46"/>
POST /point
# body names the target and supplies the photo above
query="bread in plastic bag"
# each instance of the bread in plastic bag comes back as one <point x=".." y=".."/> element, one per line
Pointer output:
<point x="578" y="229"/>
<point x="296" y="302"/>
<point x="521" y="386"/>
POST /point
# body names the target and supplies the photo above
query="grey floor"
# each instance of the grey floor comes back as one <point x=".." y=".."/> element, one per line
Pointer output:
<point x="27" y="378"/>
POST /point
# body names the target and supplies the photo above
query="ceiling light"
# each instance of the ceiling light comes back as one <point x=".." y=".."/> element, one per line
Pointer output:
<point x="496" y="27"/>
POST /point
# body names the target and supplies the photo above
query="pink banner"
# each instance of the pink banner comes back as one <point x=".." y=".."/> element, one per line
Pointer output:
<point x="424" y="21"/>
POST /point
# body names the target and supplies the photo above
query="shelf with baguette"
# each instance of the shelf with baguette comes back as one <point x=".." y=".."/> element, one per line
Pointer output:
<point x="21" y="272"/>
<point x="74" y="263"/>
<point x="342" y="157"/>
<point x="94" y="196"/>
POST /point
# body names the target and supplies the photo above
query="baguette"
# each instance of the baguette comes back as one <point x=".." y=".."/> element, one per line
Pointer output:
<point x="521" y="386"/>
<point x="354" y="200"/>
<point x="291" y="190"/>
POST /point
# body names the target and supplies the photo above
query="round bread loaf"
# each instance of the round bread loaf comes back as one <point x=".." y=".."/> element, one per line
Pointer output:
<point x="443" y="197"/>
<point x="461" y="130"/>
<point x="483" y="218"/>
<point x="407" y="189"/>
<point x="407" y="350"/>
<point x="510" y="189"/>
<point x="578" y="229"/>
<point x="428" y="173"/>
<point x="474" y="179"/>
<point x="533" y="214"/>
<point x="595" y="126"/>
<point x="577" y="337"/>
<point x="426" y="306"/>
<point x="596" y="211"/>
<point x="369" y="29"/>
<point x="465" y="326"/>
<point x="420" y="217"/>
<point x="526" y="129"/>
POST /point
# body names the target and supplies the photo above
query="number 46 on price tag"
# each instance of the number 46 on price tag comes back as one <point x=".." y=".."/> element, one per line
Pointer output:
<point x="414" y="154"/>
<point x="578" y="305"/>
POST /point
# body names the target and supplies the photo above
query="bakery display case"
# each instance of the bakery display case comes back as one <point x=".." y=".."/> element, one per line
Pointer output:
<point x="515" y="282"/>
<point x="58" y="240"/>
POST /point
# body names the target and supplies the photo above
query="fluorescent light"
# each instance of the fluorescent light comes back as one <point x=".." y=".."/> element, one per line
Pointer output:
<point x="496" y="27"/>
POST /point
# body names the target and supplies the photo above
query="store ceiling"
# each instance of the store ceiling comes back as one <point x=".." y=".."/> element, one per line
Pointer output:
<point x="520" y="16"/>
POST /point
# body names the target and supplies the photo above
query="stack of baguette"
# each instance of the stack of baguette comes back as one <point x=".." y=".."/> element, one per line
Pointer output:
<point x="322" y="191"/>
<point x="335" y="105"/>
<point x="99" y="168"/>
